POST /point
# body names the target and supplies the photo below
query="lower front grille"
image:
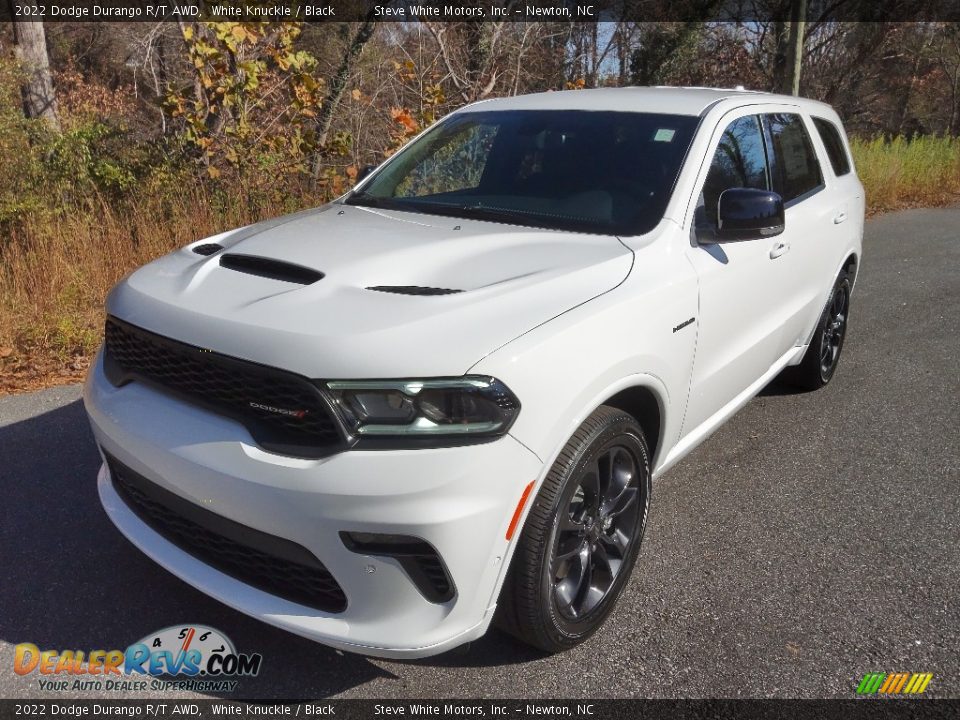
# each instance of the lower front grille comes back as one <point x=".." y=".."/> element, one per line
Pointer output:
<point x="417" y="557"/>
<point x="435" y="575"/>
<point x="272" y="564"/>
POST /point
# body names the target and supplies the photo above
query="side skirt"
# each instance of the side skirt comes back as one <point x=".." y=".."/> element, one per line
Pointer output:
<point x="700" y="433"/>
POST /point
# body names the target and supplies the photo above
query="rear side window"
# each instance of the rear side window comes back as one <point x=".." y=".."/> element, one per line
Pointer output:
<point x="830" y="135"/>
<point x="795" y="170"/>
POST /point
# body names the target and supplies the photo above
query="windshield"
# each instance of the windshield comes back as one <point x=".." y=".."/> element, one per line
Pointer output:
<point x="600" y="172"/>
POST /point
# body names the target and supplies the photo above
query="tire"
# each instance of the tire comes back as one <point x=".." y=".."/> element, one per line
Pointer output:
<point x="820" y="361"/>
<point x="575" y="554"/>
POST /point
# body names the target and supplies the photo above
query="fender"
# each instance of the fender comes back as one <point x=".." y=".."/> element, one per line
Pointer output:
<point x="836" y="273"/>
<point x="639" y="380"/>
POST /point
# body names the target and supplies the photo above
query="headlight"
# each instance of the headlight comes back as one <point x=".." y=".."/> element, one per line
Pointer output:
<point x="466" y="406"/>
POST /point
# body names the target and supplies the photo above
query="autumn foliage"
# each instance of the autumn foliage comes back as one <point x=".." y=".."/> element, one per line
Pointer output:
<point x="174" y="131"/>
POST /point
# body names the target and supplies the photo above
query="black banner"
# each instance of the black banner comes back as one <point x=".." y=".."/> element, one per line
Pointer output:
<point x="473" y="10"/>
<point x="864" y="709"/>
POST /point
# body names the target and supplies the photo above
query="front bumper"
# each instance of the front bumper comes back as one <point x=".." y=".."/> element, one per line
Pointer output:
<point x="460" y="500"/>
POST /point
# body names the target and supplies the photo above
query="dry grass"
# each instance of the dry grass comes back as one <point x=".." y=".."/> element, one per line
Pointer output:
<point x="55" y="274"/>
<point x="919" y="172"/>
<point x="56" y="271"/>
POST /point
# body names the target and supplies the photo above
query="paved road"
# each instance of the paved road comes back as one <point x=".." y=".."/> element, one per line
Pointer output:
<point x="812" y="539"/>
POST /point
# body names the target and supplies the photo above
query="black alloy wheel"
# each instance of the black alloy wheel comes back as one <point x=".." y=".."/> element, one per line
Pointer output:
<point x="595" y="532"/>
<point x="820" y="361"/>
<point x="581" y="536"/>
<point x="833" y="331"/>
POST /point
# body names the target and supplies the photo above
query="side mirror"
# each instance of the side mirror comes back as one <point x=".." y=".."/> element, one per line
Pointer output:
<point x="747" y="214"/>
<point x="364" y="171"/>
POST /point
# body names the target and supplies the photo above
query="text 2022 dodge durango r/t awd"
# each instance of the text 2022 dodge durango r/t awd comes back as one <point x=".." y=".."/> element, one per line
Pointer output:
<point x="441" y="399"/>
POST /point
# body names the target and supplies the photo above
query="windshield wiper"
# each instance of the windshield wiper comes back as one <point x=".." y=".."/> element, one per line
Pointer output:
<point x="509" y="216"/>
<point x="365" y="199"/>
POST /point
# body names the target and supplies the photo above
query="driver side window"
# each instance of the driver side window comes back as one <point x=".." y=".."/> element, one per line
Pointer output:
<point x="739" y="162"/>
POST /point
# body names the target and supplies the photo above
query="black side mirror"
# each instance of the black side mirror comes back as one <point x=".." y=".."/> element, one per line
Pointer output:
<point x="747" y="214"/>
<point x="364" y="171"/>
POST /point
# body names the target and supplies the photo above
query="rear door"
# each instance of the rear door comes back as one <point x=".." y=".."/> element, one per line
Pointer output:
<point x="796" y="173"/>
<point x="844" y="193"/>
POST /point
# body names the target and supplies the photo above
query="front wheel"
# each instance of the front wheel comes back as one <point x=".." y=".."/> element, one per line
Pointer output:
<point x="820" y="361"/>
<point x="582" y="535"/>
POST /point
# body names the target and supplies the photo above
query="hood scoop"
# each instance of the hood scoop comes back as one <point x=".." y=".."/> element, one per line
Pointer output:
<point x="208" y="249"/>
<point x="269" y="268"/>
<point x="413" y="290"/>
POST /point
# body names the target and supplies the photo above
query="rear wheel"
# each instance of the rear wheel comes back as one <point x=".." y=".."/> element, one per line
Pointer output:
<point x="582" y="535"/>
<point x="822" y="356"/>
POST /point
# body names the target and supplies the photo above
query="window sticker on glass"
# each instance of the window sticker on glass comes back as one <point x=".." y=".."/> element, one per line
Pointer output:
<point x="664" y="135"/>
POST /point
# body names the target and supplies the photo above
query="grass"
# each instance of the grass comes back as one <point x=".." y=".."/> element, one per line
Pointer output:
<point x="57" y="267"/>
<point x="55" y="273"/>
<point x="899" y="173"/>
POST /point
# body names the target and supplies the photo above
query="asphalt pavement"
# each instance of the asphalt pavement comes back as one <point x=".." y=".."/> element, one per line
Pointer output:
<point x="814" y="538"/>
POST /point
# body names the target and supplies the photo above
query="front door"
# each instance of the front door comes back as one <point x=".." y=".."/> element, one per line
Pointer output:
<point x="742" y="315"/>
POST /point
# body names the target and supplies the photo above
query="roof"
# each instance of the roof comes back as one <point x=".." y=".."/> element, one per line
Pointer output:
<point x="667" y="100"/>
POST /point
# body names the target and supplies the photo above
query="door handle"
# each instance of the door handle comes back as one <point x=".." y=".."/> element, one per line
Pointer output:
<point x="839" y="217"/>
<point x="779" y="249"/>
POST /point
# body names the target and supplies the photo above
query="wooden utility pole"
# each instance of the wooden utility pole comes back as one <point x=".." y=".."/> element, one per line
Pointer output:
<point x="36" y="91"/>
<point x="798" y="14"/>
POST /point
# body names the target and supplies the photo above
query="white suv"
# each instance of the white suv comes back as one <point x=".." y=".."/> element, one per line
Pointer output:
<point x="443" y="397"/>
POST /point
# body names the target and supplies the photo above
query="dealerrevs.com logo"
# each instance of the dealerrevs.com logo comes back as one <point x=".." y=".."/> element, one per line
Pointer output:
<point x="196" y="656"/>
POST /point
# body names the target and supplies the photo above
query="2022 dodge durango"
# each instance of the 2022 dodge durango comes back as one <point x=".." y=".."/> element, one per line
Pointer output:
<point x="441" y="400"/>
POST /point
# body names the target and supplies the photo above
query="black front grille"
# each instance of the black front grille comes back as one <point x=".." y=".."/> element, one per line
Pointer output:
<point x="284" y="412"/>
<point x="272" y="564"/>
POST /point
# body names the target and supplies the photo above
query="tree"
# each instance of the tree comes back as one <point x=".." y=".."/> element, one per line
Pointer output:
<point x="36" y="91"/>
<point x="253" y="99"/>
<point x="666" y="45"/>
<point x="661" y="45"/>
<point x="949" y="57"/>
<point x="472" y="54"/>
<point x="335" y="92"/>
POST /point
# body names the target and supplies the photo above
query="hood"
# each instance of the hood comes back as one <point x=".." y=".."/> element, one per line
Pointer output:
<point x="272" y="306"/>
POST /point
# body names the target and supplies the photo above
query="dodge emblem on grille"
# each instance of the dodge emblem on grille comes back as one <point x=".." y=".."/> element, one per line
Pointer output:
<point x="279" y="411"/>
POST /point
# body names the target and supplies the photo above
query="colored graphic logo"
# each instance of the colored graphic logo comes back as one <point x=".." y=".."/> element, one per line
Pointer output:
<point x="894" y="683"/>
<point x="192" y="650"/>
<point x="184" y="650"/>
